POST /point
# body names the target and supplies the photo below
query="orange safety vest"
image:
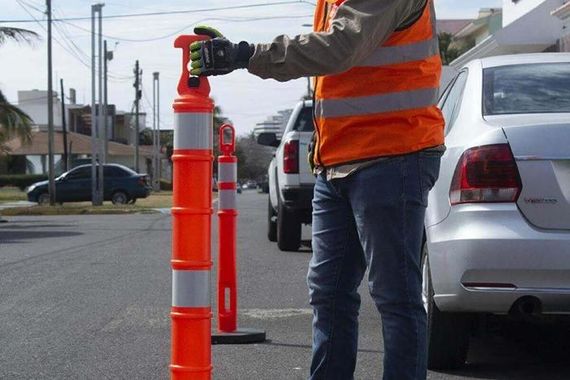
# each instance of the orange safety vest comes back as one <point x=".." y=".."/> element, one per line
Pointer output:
<point x="387" y="104"/>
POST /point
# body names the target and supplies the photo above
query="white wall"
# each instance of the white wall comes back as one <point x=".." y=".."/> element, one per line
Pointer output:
<point x="514" y="10"/>
<point x="34" y="103"/>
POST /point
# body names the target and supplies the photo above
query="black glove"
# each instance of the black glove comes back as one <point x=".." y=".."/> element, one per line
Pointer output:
<point x="218" y="55"/>
<point x="311" y="152"/>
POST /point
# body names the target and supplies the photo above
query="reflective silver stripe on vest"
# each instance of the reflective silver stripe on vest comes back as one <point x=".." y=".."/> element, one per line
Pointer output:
<point x="227" y="172"/>
<point x="193" y="130"/>
<point x="366" y="105"/>
<point x="191" y="288"/>
<point x="227" y="199"/>
<point x="391" y="55"/>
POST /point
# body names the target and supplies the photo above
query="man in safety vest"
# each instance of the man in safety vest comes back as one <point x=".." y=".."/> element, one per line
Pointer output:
<point x="379" y="139"/>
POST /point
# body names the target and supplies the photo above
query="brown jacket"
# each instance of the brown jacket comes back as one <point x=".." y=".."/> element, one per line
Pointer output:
<point x="357" y="29"/>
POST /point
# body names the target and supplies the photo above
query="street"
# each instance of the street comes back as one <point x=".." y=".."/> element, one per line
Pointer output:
<point x="89" y="297"/>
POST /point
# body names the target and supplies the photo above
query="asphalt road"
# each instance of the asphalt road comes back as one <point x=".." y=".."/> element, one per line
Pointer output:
<point x="89" y="297"/>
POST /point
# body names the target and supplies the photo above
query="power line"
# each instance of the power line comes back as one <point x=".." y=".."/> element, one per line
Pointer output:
<point x="228" y="19"/>
<point x="165" y="13"/>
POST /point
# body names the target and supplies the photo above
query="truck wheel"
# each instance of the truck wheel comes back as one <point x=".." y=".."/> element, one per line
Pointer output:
<point x="288" y="230"/>
<point x="448" y="333"/>
<point x="271" y="222"/>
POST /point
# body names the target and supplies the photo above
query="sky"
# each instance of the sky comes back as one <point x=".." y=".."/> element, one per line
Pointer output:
<point x="243" y="98"/>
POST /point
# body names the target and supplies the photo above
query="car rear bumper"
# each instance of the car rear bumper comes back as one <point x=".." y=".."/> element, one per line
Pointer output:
<point x="483" y="258"/>
<point x="300" y="200"/>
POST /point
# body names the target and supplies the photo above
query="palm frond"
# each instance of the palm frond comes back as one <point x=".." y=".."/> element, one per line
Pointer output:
<point x="18" y="35"/>
<point x="14" y="122"/>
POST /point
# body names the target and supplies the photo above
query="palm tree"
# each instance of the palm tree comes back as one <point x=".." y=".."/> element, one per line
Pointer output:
<point x="13" y="121"/>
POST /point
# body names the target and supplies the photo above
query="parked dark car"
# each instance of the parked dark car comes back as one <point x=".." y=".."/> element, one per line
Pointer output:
<point x="121" y="186"/>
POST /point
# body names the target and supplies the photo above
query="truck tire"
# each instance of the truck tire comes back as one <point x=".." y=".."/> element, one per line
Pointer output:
<point x="288" y="230"/>
<point x="448" y="333"/>
<point x="271" y="222"/>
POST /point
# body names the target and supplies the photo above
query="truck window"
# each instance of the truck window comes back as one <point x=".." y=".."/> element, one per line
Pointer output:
<point x="304" y="122"/>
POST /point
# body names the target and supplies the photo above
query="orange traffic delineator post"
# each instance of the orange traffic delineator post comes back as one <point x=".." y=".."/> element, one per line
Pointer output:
<point x="191" y="224"/>
<point x="228" y="333"/>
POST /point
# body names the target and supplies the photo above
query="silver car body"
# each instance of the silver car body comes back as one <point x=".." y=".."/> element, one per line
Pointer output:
<point x="495" y="245"/>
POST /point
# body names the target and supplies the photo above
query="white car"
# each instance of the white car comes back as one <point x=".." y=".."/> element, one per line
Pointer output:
<point x="290" y="179"/>
<point x="497" y="236"/>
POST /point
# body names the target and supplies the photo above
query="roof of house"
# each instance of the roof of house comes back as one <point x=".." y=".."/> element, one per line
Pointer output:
<point x="451" y="26"/>
<point x="79" y="144"/>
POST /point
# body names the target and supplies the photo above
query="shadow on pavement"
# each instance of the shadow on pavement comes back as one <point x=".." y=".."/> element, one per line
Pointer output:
<point x="18" y="236"/>
<point x="522" y="351"/>
<point x="308" y="346"/>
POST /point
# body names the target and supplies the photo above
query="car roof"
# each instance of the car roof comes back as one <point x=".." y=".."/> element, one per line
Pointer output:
<point x="522" y="59"/>
<point x="89" y="165"/>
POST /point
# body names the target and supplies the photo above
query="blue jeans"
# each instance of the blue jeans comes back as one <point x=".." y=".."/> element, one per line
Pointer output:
<point x="372" y="219"/>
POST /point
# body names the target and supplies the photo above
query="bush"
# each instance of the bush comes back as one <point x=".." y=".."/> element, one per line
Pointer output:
<point x="21" y="181"/>
<point x="165" y="185"/>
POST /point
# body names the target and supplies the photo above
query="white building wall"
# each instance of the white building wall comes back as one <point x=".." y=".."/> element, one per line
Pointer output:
<point x="34" y="103"/>
<point x="514" y="9"/>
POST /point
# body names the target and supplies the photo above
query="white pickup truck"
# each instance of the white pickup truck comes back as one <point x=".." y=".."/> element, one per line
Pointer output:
<point x="291" y="181"/>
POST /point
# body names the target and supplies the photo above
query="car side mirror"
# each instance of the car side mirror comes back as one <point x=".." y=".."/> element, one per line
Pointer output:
<point x="268" y="139"/>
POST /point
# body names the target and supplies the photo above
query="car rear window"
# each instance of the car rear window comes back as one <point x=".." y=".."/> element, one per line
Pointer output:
<point x="305" y="121"/>
<point x="529" y="88"/>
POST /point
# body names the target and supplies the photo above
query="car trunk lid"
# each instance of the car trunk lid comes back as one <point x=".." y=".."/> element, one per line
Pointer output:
<point x="541" y="147"/>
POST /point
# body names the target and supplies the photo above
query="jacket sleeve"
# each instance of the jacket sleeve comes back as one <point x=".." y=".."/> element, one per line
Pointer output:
<point x="358" y="28"/>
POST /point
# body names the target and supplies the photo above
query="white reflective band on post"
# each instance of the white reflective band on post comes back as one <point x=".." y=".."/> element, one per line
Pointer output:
<point x="193" y="131"/>
<point x="227" y="199"/>
<point x="227" y="172"/>
<point x="191" y="288"/>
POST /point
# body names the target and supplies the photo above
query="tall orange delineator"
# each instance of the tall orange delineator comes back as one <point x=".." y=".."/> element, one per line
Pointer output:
<point x="228" y="333"/>
<point x="191" y="224"/>
<point x="227" y="236"/>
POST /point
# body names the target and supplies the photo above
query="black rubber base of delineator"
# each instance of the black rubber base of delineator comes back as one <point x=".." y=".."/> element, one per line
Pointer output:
<point x="240" y="336"/>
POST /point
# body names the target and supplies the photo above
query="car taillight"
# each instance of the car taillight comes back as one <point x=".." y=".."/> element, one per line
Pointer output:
<point x="291" y="157"/>
<point x="143" y="181"/>
<point x="486" y="174"/>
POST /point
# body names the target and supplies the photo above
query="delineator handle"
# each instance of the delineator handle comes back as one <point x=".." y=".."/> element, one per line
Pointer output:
<point x="227" y="148"/>
<point x="202" y="86"/>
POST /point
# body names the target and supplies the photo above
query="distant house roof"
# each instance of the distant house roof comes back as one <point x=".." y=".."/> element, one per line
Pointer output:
<point x="80" y="144"/>
<point x="451" y="26"/>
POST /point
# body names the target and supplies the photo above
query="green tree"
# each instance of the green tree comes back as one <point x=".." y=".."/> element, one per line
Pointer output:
<point x="13" y="121"/>
<point x="447" y="52"/>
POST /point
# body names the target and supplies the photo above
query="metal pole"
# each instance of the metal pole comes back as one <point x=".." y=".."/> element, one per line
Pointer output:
<point x="105" y="105"/>
<point x="93" y="116"/>
<point x="51" y="165"/>
<point x="65" y="157"/>
<point x="137" y="93"/>
<point x="155" y="136"/>
<point x="100" y="113"/>
<point x="158" y="163"/>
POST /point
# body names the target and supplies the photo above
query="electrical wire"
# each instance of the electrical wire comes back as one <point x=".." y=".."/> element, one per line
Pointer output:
<point x="166" y="13"/>
<point x="227" y="19"/>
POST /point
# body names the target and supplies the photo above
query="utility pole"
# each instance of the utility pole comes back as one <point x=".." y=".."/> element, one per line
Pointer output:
<point x="137" y="98"/>
<point x="100" y="133"/>
<point x="65" y="157"/>
<point x="96" y="179"/>
<point x="156" y="130"/>
<point x="105" y="105"/>
<point x="51" y="164"/>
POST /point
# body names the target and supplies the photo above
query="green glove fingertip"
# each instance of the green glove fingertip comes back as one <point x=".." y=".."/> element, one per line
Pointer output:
<point x="196" y="72"/>
<point x="203" y="30"/>
<point x="195" y="56"/>
<point x="196" y="64"/>
<point x="195" y="46"/>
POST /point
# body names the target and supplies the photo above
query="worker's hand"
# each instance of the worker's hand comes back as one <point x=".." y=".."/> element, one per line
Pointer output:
<point x="217" y="56"/>
<point x="311" y="152"/>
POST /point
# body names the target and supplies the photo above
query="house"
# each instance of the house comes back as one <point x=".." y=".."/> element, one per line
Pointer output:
<point x="32" y="158"/>
<point x="528" y="26"/>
